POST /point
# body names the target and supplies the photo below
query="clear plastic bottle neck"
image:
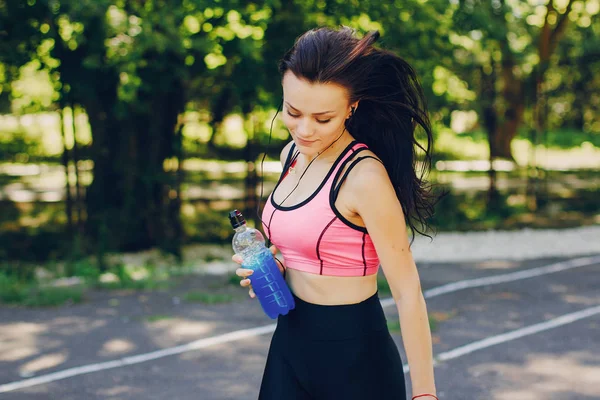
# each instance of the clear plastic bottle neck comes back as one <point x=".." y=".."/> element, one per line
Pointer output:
<point x="241" y="228"/>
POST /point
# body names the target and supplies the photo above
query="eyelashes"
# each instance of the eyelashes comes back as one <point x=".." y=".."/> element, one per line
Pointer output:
<point x="297" y="115"/>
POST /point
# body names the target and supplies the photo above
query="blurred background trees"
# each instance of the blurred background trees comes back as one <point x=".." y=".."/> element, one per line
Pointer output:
<point x="128" y="125"/>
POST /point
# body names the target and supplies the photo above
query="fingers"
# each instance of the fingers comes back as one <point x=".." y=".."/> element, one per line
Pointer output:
<point x="236" y="259"/>
<point x="273" y="249"/>
<point x="245" y="273"/>
<point x="245" y="283"/>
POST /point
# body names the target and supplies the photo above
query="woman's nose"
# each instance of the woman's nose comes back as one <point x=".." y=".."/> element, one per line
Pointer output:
<point x="304" y="128"/>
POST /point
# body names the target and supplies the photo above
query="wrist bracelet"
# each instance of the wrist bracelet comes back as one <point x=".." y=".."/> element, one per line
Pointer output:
<point x="425" y="394"/>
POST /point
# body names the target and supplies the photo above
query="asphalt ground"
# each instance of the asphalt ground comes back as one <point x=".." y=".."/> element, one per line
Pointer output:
<point x="519" y="345"/>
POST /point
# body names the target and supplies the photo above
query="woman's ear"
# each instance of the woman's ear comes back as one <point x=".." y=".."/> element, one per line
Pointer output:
<point x="353" y="108"/>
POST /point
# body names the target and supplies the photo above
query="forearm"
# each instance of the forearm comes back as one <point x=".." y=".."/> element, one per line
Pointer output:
<point x="416" y="337"/>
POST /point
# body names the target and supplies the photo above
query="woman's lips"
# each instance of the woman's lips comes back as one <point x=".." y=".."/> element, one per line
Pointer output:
<point x="305" y="142"/>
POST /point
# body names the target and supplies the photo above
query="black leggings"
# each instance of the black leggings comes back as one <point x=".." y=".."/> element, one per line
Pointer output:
<point x="343" y="352"/>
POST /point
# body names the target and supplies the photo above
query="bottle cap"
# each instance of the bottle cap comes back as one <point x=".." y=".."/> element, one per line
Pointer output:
<point x="237" y="219"/>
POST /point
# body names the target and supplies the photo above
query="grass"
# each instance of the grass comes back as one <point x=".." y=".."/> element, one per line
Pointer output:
<point x="16" y="292"/>
<point x="19" y="285"/>
<point x="53" y="296"/>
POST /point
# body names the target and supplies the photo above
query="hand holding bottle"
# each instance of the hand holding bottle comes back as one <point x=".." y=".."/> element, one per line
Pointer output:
<point x="246" y="273"/>
<point x="269" y="286"/>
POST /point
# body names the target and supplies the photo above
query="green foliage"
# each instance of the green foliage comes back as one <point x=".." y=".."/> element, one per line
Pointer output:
<point x="125" y="280"/>
<point x="569" y="138"/>
<point x="30" y="294"/>
<point x="53" y="296"/>
<point x="18" y="146"/>
<point x="86" y="270"/>
<point x="135" y="67"/>
<point x="209" y="226"/>
<point x="463" y="211"/>
<point x="233" y="279"/>
<point x="35" y="243"/>
<point x="12" y="290"/>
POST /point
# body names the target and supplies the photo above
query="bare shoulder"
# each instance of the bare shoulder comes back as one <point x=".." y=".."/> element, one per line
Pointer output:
<point x="368" y="177"/>
<point x="285" y="152"/>
<point x="369" y="172"/>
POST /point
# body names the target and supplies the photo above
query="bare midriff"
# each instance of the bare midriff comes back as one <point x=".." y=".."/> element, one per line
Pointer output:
<point x="331" y="290"/>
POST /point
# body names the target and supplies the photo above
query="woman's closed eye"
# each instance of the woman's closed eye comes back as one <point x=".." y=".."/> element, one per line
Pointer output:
<point x="321" y="121"/>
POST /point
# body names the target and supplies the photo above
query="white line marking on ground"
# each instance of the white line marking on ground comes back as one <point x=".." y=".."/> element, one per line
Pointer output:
<point x="248" y="333"/>
<point x="140" y="358"/>
<point x="510" y="277"/>
<point x="526" y="331"/>
<point x="516" y="334"/>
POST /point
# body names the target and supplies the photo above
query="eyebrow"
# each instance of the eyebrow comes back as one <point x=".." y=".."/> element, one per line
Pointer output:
<point x="319" y="113"/>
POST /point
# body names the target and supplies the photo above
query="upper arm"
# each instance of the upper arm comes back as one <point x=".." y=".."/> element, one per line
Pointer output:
<point x="375" y="200"/>
<point x="285" y="152"/>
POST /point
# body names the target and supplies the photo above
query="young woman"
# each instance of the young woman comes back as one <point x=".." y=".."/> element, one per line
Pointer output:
<point x="340" y="210"/>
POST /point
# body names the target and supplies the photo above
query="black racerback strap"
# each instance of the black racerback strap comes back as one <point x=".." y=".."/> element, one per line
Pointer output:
<point x="338" y="184"/>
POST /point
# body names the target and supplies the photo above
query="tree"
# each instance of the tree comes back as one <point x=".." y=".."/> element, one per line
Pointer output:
<point x="507" y="47"/>
<point x="127" y="65"/>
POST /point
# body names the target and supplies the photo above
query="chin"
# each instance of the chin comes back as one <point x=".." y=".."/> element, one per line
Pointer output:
<point x="307" y="152"/>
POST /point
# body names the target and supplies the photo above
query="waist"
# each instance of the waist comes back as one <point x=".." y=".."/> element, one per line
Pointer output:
<point x="333" y="322"/>
<point x="330" y="290"/>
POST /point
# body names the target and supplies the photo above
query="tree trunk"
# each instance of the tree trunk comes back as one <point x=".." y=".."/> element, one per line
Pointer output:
<point x="175" y="192"/>
<point x="513" y="93"/>
<point x="219" y="109"/>
<point x="490" y="121"/>
<point x="65" y="161"/>
<point x="580" y="101"/>
<point x="104" y="196"/>
<point x="250" y="198"/>
<point x="514" y="107"/>
<point x="130" y="203"/>
<point x="500" y="144"/>
<point x="148" y="202"/>
<point x="78" y="187"/>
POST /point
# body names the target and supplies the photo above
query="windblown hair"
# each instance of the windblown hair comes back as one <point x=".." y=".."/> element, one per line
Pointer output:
<point x="392" y="105"/>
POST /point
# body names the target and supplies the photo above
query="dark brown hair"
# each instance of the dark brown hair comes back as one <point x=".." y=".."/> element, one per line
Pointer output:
<point x="391" y="106"/>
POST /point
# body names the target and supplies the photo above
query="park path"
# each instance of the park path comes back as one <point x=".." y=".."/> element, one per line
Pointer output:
<point x="534" y="335"/>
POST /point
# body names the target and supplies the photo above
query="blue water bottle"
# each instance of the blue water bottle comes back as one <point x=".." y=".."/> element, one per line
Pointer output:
<point x="267" y="281"/>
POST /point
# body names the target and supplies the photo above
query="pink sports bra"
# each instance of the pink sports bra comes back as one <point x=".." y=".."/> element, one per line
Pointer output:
<point x="313" y="236"/>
